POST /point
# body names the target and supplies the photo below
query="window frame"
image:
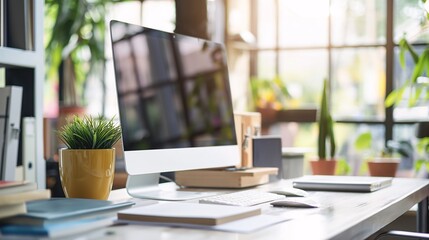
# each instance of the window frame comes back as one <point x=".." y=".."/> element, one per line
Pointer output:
<point x="389" y="47"/>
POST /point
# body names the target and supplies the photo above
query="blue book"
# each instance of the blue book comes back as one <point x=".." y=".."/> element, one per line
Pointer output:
<point x="59" y="229"/>
<point x="55" y="210"/>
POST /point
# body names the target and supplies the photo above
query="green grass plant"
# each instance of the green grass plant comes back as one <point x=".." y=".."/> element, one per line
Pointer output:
<point x="90" y="133"/>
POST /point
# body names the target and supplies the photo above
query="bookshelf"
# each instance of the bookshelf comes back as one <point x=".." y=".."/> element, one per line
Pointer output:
<point x="26" y="68"/>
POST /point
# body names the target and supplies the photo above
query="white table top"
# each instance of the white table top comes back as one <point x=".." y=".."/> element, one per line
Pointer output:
<point x="345" y="216"/>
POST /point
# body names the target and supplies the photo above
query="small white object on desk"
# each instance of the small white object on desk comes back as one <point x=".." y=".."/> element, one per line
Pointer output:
<point x="296" y="202"/>
<point x="290" y="192"/>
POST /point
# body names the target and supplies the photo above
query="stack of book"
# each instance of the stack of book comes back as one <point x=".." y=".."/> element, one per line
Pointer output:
<point x="61" y="217"/>
<point x="14" y="195"/>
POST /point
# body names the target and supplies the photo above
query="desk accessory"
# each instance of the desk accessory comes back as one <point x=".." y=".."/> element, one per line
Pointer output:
<point x="247" y="126"/>
<point x="296" y="202"/>
<point x="267" y="152"/>
<point x="221" y="178"/>
<point x="343" y="183"/>
<point x="188" y="213"/>
<point x="87" y="165"/>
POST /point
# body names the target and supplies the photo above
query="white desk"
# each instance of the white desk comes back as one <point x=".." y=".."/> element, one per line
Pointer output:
<point x="351" y="216"/>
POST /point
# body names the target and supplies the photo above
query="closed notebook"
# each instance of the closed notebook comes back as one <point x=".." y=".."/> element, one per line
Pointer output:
<point x="44" y="212"/>
<point x="342" y="183"/>
<point x="188" y="213"/>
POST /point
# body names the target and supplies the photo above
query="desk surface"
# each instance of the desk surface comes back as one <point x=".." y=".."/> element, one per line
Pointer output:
<point x="349" y="216"/>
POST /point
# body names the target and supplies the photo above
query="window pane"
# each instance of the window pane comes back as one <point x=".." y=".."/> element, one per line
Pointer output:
<point x="409" y="18"/>
<point x="402" y="111"/>
<point x="358" y="83"/>
<point x="404" y="140"/>
<point x="159" y="14"/>
<point x="303" y="23"/>
<point x="266" y="64"/>
<point x="303" y="72"/>
<point x="266" y="23"/>
<point x="358" y="22"/>
<point x="238" y="16"/>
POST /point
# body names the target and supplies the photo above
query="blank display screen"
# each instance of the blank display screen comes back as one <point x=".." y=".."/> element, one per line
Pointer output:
<point x="173" y="90"/>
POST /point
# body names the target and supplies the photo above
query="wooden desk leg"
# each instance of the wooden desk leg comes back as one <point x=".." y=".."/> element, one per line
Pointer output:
<point x="422" y="216"/>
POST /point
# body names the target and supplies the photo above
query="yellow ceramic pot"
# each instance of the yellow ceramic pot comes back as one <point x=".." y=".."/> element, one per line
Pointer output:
<point x="87" y="173"/>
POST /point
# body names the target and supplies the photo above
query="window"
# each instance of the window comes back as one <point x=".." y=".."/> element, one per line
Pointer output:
<point x="352" y="43"/>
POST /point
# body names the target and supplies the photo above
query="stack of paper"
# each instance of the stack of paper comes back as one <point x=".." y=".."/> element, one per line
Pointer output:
<point x="14" y="195"/>
<point x="59" y="217"/>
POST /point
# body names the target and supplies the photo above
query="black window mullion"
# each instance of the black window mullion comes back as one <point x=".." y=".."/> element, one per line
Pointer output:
<point x="389" y="68"/>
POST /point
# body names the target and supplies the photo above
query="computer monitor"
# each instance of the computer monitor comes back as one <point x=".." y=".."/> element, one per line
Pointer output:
<point x="175" y="106"/>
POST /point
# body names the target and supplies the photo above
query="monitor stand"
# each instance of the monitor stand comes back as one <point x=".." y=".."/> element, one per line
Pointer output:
<point x="147" y="186"/>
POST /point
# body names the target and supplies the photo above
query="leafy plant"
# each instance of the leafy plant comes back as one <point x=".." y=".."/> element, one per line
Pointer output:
<point x="364" y="142"/>
<point x="326" y="128"/>
<point x="418" y="83"/>
<point x="90" y="133"/>
<point x="75" y="33"/>
<point x="269" y="93"/>
<point x="423" y="150"/>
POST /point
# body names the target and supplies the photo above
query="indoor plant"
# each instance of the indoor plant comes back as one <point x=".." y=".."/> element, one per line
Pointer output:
<point x="87" y="164"/>
<point x="383" y="163"/>
<point x="75" y="34"/>
<point x="326" y="163"/>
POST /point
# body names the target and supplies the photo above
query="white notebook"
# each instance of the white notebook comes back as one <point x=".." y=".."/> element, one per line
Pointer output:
<point x="188" y="213"/>
<point x="342" y="183"/>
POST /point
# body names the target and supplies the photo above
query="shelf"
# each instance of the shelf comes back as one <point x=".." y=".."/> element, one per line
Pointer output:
<point x="19" y="58"/>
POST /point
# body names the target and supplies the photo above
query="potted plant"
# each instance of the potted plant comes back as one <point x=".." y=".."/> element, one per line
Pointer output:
<point x="87" y="164"/>
<point x="383" y="162"/>
<point x="326" y="164"/>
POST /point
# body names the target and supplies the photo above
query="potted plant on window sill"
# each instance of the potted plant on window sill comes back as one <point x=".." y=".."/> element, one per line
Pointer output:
<point x="386" y="162"/>
<point x="326" y="164"/>
<point x="87" y="164"/>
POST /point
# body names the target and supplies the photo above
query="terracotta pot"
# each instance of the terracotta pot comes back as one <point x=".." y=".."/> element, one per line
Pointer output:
<point x="323" y="167"/>
<point x="268" y="116"/>
<point x="87" y="173"/>
<point x="383" y="167"/>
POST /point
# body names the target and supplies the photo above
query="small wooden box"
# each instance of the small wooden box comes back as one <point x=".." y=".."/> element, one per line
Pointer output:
<point x="221" y="178"/>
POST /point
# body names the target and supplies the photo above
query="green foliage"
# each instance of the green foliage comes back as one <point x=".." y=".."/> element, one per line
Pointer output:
<point x="422" y="149"/>
<point x="270" y="93"/>
<point x="421" y="69"/>
<point x="343" y="168"/>
<point x="326" y="127"/>
<point x="363" y="141"/>
<point x="75" y="31"/>
<point x="90" y="133"/>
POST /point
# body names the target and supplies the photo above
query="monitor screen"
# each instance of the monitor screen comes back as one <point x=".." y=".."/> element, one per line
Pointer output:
<point x="173" y="94"/>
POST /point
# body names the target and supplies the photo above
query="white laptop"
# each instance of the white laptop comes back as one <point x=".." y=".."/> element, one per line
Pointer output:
<point x="342" y="183"/>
